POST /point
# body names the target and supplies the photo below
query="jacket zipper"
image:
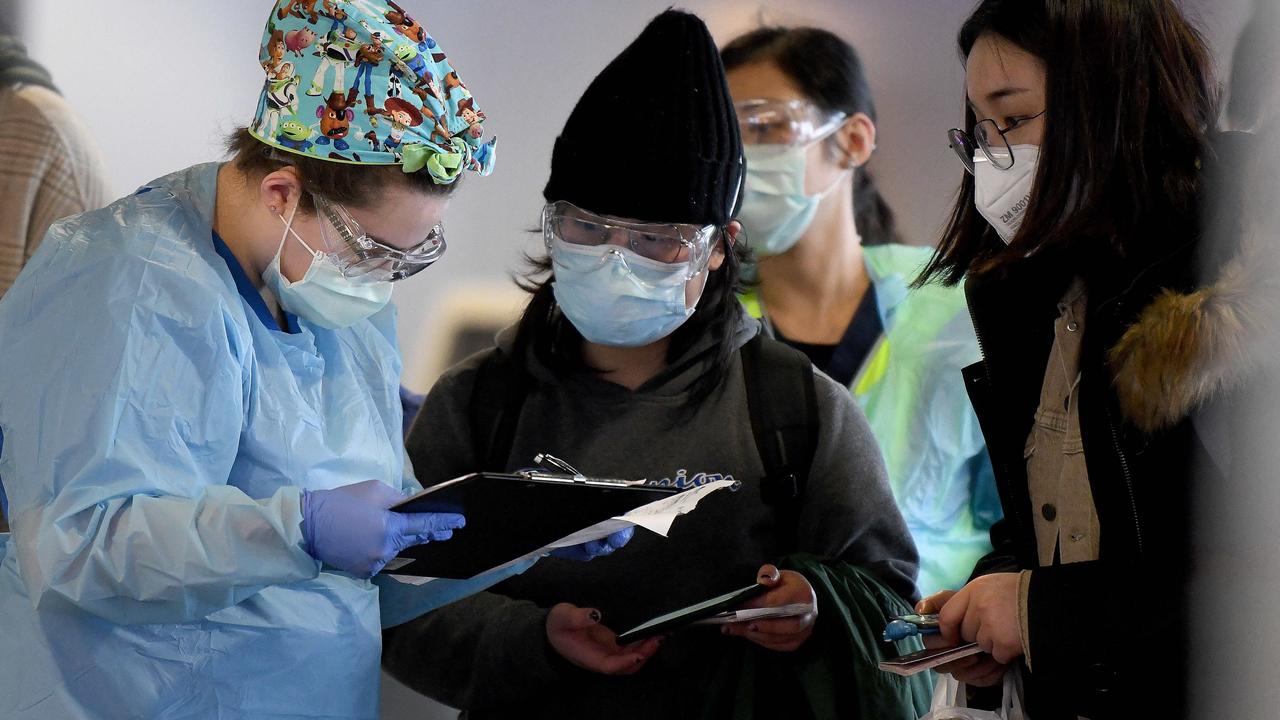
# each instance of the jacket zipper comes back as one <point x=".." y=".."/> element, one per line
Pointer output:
<point x="1128" y="479"/>
<point x="1111" y="424"/>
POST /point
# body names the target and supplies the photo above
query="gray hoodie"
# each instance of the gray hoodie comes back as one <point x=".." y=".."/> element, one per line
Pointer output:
<point x="489" y="653"/>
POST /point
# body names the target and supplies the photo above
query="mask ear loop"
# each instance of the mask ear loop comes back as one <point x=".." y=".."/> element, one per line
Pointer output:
<point x="846" y="172"/>
<point x="288" y="230"/>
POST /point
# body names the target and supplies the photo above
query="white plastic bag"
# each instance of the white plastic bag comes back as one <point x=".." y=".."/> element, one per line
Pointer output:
<point x="949" y="701"/>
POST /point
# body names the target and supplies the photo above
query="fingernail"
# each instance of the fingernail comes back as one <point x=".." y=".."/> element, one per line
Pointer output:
<point x="595" y="616"/>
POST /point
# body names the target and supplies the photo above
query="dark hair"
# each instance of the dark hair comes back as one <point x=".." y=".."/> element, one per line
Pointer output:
<point x="355" y="185"/>
<point x="558" y="345"/>
<point x="1129" y="104"/>
<point x="829" y="73"/>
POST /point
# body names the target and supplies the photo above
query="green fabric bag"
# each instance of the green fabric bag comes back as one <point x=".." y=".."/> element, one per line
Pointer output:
<point x="836" y="674"/>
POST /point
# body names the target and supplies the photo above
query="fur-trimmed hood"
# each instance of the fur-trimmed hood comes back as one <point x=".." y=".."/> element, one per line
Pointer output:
<point x="1187" y="349"/>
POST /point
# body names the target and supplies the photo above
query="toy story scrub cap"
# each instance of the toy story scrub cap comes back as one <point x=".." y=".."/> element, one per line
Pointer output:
<point x="360" y="81"/>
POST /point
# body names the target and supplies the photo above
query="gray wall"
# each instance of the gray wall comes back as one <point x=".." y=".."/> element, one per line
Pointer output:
<point x="162" y="82"/>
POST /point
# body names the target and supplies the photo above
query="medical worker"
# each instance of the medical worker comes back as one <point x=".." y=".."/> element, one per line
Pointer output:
<point x="199" y="403"/>
<point x="833" y="281"/>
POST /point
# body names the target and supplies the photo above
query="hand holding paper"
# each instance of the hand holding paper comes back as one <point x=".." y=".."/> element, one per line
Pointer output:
<point x="592" y="549"/>
<point x="782" y="634"/>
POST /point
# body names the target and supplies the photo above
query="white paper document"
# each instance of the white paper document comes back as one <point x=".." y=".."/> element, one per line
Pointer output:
<point x="657" y="516"/>
<point x="765" y="613"/>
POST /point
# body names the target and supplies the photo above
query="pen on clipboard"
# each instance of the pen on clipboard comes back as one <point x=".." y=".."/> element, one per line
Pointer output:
<point x="548" y="461"/>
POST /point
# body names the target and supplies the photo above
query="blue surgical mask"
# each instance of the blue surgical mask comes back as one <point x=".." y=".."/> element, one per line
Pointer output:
<point x="324" y="296"/>
<point x="615" y="297"/>
<point x="775" y="209"/>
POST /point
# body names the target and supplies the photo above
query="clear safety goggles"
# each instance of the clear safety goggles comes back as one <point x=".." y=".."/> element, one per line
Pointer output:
<point x="361" y="257"/>
<point x="670" y="244"/>
<point x="784" y="124"/>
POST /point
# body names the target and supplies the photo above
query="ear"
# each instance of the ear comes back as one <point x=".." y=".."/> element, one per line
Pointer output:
<point x="351" y="115"/>
<point x="320" y="111"/>
<point x="731" y="232"/>
<point x="280" y="189"/>
<point x="857" y="138"/>
<point x="730" y="236"/>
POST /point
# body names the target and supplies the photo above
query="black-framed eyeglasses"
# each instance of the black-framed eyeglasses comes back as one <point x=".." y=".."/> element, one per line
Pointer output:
<point x="990" y="139"/>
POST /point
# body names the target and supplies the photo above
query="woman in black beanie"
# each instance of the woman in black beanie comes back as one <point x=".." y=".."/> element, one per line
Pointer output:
<point x="635" y="359"/>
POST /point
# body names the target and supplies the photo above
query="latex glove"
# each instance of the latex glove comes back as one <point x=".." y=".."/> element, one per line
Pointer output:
<point x="979" y="670"/>
<point x="596" y="548"/>
<point x="779" y="634"/>
<point x="351" y="529"/>
<point x="579" y="637"/>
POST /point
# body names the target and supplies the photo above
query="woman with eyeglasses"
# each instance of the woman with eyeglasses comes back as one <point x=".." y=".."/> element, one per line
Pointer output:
<point x="832" y="280"/>
<point x="1089" y="148"/>
<point x="200" y="417"/>
<point x="630" y="361"/>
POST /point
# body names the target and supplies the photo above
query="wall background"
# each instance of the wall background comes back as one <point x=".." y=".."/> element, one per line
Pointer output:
<point x="162" y="83"/>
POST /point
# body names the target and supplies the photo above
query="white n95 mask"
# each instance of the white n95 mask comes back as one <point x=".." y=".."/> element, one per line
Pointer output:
<point x="1002" y="196"/>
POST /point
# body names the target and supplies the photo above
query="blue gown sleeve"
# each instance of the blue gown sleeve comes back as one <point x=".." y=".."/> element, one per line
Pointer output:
<point x="402" y="602"/>
<point x="122" y="406"/>
<point x="984" y="498"/>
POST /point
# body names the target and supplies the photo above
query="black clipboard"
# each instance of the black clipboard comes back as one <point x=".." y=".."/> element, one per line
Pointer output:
<point x="512" y="515"/>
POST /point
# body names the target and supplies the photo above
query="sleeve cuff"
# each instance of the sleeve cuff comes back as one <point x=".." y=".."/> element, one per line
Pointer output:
<point x="1024" y="593"/>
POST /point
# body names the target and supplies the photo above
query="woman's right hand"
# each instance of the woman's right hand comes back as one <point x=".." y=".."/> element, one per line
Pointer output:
<point x="979" y="670"/>
<point x="576" y="633"/>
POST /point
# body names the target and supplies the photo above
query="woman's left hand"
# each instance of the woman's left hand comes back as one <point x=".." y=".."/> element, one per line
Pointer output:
<point x="588" y="551"/>
<point x="986" y="612"/>
<point x="780" y="634"/>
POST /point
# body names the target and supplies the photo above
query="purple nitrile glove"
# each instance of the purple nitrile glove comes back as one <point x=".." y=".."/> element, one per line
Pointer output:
<point x="351" y="529"/>
<point x="596" y="548"/>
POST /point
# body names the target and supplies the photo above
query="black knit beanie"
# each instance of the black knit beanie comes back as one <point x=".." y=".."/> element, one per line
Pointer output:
<point x="654" y="137"/>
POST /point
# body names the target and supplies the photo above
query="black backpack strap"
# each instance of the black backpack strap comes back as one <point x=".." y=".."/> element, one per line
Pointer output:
<point x="497" y="397"/>
<point x="782" y="402"/>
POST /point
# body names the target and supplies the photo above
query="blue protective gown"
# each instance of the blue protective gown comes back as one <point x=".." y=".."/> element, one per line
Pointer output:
<point x="157" y="437"/>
